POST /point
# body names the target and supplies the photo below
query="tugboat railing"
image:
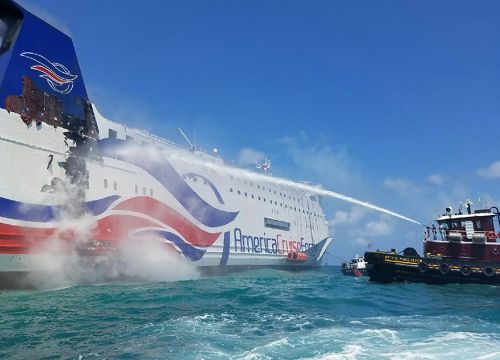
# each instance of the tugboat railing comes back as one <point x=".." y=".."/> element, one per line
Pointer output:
<point x="456" y="235"/>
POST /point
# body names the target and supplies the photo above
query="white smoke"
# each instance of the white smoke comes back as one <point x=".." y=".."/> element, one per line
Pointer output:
<point x="70" y="256"/>
<point x="61" y="262"/>
<point x="149" y="259"/>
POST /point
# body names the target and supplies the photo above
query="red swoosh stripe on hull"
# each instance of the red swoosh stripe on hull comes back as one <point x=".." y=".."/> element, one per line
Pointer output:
<point x="165" y="214"/>
<point x="21" y="240"/>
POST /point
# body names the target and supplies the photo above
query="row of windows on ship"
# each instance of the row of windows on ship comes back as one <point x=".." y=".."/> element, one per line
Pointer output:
<point x="286" y="206"/>
<point x="263" y="188"/>
<point x="115" y="188"/>
<point x="144" y="192"/>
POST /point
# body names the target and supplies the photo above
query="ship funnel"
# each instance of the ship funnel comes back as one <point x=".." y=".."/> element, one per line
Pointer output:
<point x="40" y="78"/>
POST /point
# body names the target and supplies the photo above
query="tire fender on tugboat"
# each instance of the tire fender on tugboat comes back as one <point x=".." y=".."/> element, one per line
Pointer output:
<point x="423" y="267"/>
<point x="491" y="236"/>
<point x="488" y="271"/>
<point x="465" y="270"/>
<point x="444" y="268"/>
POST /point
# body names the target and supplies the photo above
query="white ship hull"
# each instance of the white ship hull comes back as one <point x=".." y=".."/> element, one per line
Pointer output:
<point x="83" y="185"/>
<point x="132" y="201"/>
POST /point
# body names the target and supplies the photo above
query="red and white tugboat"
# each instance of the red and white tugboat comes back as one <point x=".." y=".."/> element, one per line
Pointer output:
<point x="356" y="267"/>
<point x="463" y="248"/>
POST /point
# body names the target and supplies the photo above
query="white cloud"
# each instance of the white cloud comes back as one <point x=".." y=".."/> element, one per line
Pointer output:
<point x="333" y="167"/>
<point x="249" y="156"/>
<point x="402" y="186"/>
<point x="435" y="179"/>
<point x="351" y="217"/>
<point x="379" y="227"/>
<point x="491" y="172"/>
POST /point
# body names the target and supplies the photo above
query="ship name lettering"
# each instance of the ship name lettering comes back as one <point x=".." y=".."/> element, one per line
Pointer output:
<point x="254" y="244"/>
<point x="261" y="244"/>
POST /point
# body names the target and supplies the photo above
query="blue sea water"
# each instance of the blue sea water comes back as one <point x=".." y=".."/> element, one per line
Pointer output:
<point x="261" y="314"/>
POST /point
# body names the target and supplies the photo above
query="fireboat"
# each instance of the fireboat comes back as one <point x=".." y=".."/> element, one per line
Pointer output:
<point x="463" y="248"/>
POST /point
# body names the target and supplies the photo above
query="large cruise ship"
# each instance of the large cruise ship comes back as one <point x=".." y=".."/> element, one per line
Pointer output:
<point x="61" y="161"/>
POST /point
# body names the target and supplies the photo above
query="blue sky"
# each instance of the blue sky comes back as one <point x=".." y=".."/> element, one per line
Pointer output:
<point x="392" y="102"/>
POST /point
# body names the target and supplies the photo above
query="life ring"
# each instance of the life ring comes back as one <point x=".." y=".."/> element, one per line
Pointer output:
<point x="489" y="271"/>
<point x="491" y="236"/>
<point x="444" y="268"/>
<point x="423" y="267"/>
<point x="466" y="270"/>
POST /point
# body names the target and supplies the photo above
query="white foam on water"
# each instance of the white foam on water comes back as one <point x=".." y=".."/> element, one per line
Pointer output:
<point x="350" y="351"/>
<point x="267" y="351"/>
<point x="384" y="334"/>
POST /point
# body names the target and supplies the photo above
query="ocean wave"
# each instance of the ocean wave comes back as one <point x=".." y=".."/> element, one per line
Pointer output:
<point x="310" y="315"/>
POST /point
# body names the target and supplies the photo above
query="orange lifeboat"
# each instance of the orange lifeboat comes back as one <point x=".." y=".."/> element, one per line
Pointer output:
<point x="296" y="256"/>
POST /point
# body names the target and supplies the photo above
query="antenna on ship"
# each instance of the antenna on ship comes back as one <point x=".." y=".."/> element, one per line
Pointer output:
<point x="265" y="166"/>
<point x="191" y="146"/>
